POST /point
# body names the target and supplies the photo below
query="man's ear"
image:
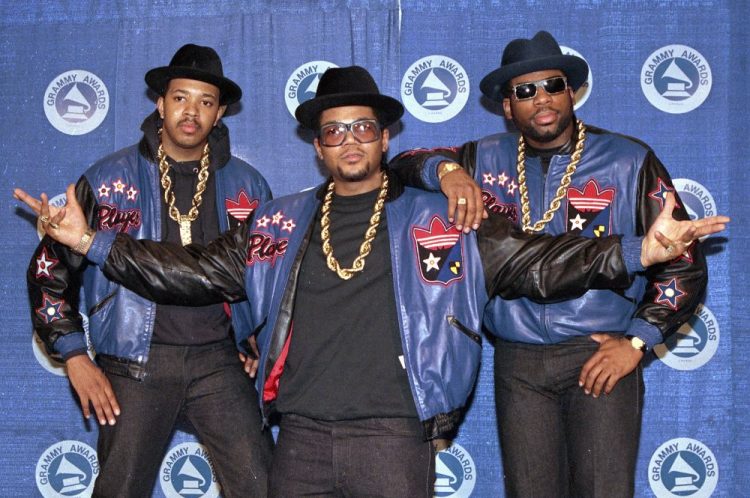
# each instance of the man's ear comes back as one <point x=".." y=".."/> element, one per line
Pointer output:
<point x="507" y="110"/>
<point x="219" y="114"/>
<point x="160" y="107"/>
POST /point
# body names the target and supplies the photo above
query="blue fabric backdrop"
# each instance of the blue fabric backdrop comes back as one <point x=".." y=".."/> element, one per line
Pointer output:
<point x="697" y="393"/>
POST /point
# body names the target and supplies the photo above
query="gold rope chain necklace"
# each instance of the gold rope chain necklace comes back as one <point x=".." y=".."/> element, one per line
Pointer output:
<point x="562" y="190"/>
<point x="166" y="183"/>
<point x="366" y="247"/>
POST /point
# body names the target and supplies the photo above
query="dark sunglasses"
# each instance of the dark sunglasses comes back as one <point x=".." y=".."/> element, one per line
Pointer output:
<point x="553" y="85"/>
<point x="334" y="134"/>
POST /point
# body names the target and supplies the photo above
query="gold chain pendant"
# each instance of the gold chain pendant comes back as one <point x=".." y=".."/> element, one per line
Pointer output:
<point x="184" y="220"/>
<point x="366" y="247"/>
<point x="562" y="190"/>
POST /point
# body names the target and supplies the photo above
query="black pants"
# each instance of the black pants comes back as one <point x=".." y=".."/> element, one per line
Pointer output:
<point x="360" y="458"/>
<point x="557" y="441"/>
<point x="207" y="385"/>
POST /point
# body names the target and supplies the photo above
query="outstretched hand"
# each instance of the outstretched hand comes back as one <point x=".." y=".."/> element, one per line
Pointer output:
<point x="668" y="238"/>
<point x="66" y="224"/>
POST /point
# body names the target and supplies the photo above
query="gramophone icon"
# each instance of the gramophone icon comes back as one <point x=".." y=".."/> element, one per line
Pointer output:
<point x="444" y="477"/>
<point x="676" y="88"/>
<point x="191" y="486"/>
<point x="440" y="92"/>
<point x="686" y="341"/>
<point x="76" y="105"/>
<point x="72" y="483"/>
<point x="687" y="478"/>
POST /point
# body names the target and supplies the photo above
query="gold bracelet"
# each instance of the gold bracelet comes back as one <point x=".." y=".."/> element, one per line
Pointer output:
<point x="448" y="168"/>
<point x="85" y="243"/>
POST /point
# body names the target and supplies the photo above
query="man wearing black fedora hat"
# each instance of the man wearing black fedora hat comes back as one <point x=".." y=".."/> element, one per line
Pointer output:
<point x="367" y="300"/>
<point x="571" y="428"/>
<point x="156" y="363"/>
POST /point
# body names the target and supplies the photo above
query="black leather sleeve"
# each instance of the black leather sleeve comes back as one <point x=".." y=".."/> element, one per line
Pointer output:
<point x="410" y="164"/>
<point x="55" y="289"/>
<point x="689" y="271"/>
<point x="193" y="275"/>
<point x="547" y="268"/>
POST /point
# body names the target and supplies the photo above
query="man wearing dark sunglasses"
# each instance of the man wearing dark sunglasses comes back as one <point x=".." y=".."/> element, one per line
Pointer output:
<point x="366" y="299"/>
<point x="568" y="376"/>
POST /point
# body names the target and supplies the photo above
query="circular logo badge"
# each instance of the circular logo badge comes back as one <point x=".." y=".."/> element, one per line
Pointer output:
<point x="455" y="472"/>
<point x="435" y="89"/>
<point x="583" y="92"/>
<point x="303" y="83"/>
<point x="696" y="198"/>
<point x="187" y="471"/>
<point x="676" y="79"/>
<point x="683" y="467"/>
<point x="76" y="102"/>
<point x="65" y="469"/>
<point x="694" y="344"/>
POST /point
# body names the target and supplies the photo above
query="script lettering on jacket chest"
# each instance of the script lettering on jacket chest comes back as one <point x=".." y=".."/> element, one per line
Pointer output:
<point x="493" y="205"/>
<point x="262" y="247"/>
<point x="116" y="218"/>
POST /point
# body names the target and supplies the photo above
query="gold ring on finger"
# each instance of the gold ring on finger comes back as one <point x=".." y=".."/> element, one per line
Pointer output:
<point x="53" y="225"/>
<point x="44" y="219"/>
<point x="461" y="201"/>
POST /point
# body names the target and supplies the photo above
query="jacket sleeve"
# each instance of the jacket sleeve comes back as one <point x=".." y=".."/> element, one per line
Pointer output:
<point x="168" y="273"/>
<point x="53" y="281"/>
<point x="418" y="167"/>
<point x="549" y="268"/>
<point x="673" y="289"/>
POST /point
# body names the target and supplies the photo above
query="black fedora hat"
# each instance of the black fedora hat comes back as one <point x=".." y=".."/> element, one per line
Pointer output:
<point x="344" y="86"/>
<point x="195" y="63"/>
<point x="522" y="56"/>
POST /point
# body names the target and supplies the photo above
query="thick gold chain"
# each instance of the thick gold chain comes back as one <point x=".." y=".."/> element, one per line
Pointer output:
<point x="366" y="247"/>
<point x="169" y="197"/>
<point x="562" y="190"/>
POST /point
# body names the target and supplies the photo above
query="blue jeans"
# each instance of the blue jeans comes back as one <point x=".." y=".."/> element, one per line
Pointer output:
<point x="557" y="441"/>
<point x="372" y="457"/>
<point x="206" y="385"/>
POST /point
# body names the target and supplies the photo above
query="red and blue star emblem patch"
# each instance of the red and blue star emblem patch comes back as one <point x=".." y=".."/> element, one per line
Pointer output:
<point x="439" y="252"/>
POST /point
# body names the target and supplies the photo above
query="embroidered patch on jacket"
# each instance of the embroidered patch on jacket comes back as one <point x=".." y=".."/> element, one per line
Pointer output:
<point x="669" y="293"/>
<point x="660" y="193"/>
<point x="115" y="218"/>
<point x="45" y="263"/>
<point x="49" y="311"/>
<point x="263" y="248"/>
<point x="439" y="251"/>
<point x="589" y="210"/>
<point x="240" y="208"/>
<point x="493" y="205"/>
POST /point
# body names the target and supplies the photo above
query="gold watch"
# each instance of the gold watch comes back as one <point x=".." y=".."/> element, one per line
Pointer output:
<point x="447" y="168"/>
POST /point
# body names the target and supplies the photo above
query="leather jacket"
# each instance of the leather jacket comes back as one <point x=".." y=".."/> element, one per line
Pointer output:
<point x="617" y="188"/>
<point x="122" y="193"/>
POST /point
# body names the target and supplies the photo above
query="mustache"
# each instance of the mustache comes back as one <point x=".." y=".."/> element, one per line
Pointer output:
<point x="189" y="120"/>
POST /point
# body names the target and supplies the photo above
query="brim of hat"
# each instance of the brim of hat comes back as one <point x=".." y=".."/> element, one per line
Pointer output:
<point x="575" y="69"/>
<point x="158" y="78"/>
<point x="389" y="108"/>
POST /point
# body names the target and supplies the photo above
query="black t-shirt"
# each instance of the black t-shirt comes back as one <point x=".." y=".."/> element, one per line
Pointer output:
<point x="186" y="325"/>
<point x="345" y="355"/>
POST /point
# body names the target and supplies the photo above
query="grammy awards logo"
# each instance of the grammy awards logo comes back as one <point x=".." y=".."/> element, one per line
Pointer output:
<point x="186" y="471"/>
<point x="455" y="473"/>
<point x="583" y="92"/>
<point x="694" y="344"/>
<point x="683" y="467"/>
<point x="303" y="83"/>
<point x="76" y="102"/>
<point x="676" y="79"/>
<point x="67" y="468"/>
<point x="435" y="89"/>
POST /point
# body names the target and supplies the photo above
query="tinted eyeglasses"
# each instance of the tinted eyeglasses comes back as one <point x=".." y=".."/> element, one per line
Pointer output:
<point x="364" y="131"/>
<point x="553" y="85"/>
